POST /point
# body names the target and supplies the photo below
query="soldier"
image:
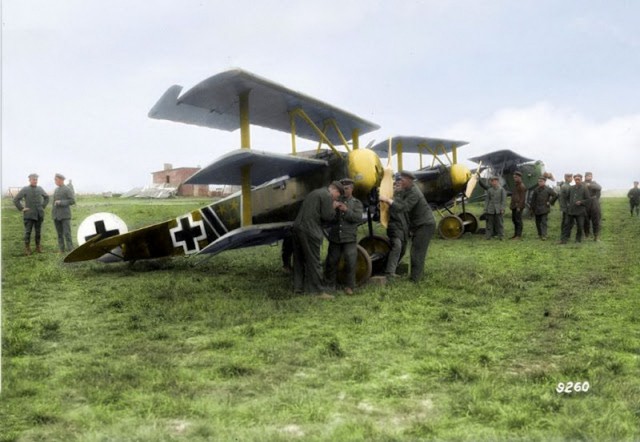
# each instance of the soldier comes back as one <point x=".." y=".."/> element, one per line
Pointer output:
<point x="422" y="223"/>
<point x="317" y="208"/>
<point x="542" y="198"/>
<point x="576" y="208"/>
<point x="63" y="199"/>
<point x="563" y="199"/>
<point x="35" y="201"/>
<point x="594" y="214"/>
<point x="495" y="203"/>
<point x="517" y="204"/>
<point x="343" y="237"/>
<point x="634" y="198"/>
<point x="397" y="231"/>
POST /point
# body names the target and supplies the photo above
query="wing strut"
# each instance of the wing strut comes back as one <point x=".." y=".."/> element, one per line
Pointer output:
<point x="245" y="143"/>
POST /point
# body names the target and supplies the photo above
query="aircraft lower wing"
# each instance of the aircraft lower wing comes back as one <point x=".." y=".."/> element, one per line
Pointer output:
<point x="249" y="236"/>
<point x="501" y="159"/>
<point x="265" y="166"/>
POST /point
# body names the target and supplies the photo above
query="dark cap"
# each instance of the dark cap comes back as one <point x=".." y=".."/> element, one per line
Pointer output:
<point x="577" y="175"/>
<point x="338" y="186"/>
<point x="517" y="172"/>
<point x="542" y="177"/>
<point x="61" y="176"/>
<point x="494" y="178"/>
<point x="407" y="174"/>
<point x="566" y="175"/>
<point x="346" y="182"/>
<point x="33" y="175"/>
<point x="588" y="173"/>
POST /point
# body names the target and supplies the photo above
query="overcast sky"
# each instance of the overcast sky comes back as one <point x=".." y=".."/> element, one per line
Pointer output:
<point x="557" y="80"/>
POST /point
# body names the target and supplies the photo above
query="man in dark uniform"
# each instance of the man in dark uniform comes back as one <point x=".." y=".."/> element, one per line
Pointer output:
<point x="343" y="236"/>
<point x="542" y="197"/>
<point x="397" y="231"/>
<point x="563" y="199"/>
<point x="518" y="201"/>
<point x="422" y="223"/>
<point x="634" y="198"/>
<point x="35" y="201"/>
<point x="63" y="199"/>
<point x="594" y="214"/>
<point x="317" y="208"/>
<point x="576" y="208"/>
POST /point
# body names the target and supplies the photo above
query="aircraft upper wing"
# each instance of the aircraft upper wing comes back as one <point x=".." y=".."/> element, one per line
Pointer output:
<point x="214" y="103"/>
<point x="412" y="144"/>
<point x="265" y="166"/>
<point x="501" y="159"/>
<point x="249" y="236"/>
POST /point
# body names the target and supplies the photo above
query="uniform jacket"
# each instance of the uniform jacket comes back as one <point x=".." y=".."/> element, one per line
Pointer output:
<point x="563" y="198"/>
<point x="495" y="200"/>
<point x="35" y="199"/>
<point x="541" y="199"/>
<point x="398" y="221"/>
<point x="317" y="208"/>
<point x="413" y="203"/>
<point x="578" y="193"/>
<point x="67" y="199"/>
<point x="518" y="197"/>
<point x="345" y="228"/>
<point x="595" y="190"/>
<point x="634" y="195"/>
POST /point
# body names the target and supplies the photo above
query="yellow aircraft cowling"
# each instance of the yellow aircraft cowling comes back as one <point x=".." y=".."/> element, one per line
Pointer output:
<point x="365" y="169"/>
<point x="459" y="176"/>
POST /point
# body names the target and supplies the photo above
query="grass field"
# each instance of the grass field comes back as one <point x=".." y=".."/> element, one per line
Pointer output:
<point x="222" y="350"/>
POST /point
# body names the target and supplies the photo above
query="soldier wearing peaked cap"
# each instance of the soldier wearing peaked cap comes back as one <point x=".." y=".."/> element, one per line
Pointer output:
<point x="343" y="236"/>
<point x="542" y="198"/>
<point x="577" y="202"/>
<point x="634" y="198"/>
<point x="495" y="203"/>
<point x="31" y="201"/>
<point x="594" y="214"/>
<point x="517" y="205"/>
<point x="317" y="208"/>
<point x="63" y="199"/>
<point x="422" y="224"/>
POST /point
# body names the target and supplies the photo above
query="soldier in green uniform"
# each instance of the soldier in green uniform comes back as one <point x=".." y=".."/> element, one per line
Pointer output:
<point x="563" y="199"/>
<point x="495" y="203"/>
<point x="518" y="203"/>
<point x="63" y="199"/>
<point x="594" y="214"/>
<point x="542" y="198"/>
<point x="422" y="223"/>
<point x="577" y="203"/>
<point x="397" y="231"/>
<point x="343" y="236"/>
<point x="35" y="201"/>
<point x="634" y="198"/>
<point x="317" y="208"/>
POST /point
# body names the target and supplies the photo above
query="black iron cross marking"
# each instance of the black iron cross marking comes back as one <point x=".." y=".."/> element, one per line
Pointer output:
<point x="101" y="229"/>
<point x="188" y="235"/>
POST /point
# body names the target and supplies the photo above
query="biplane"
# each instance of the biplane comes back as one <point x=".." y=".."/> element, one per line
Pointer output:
<point x="272" y="185"/>
<point x="441" y="182"/>
<point x="502" y="164"/>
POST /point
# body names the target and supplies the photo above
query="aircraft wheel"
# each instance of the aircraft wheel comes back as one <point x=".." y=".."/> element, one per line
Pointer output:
<point x="378" y="248"/>
<point x="451" y="227"/>
<point x="363" y="267"/>
<point x="470" y="222"/>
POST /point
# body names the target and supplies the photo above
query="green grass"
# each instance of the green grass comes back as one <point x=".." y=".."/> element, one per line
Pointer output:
<point x="222" y="350"/>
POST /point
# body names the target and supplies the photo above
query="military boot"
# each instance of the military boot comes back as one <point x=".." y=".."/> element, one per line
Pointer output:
<point x="38" y="248"/>
<point x="27" y="249"/>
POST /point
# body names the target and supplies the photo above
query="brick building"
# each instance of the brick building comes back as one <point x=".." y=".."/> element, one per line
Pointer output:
<point x="175" y="177"/>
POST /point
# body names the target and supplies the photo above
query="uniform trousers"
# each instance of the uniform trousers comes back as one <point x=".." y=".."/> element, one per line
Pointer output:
<point x="336" y="250"/>
<point x="32" y="224"/>
<point x="63" y="228"/>
<point x="307" y="267"/>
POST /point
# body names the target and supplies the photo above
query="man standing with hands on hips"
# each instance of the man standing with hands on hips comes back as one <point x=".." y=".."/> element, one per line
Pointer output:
<point x="35" y="200"/>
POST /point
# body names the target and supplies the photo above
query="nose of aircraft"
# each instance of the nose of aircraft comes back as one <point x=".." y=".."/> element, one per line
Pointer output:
<point x="459" y="176"/>
<point x="365" y="169"/>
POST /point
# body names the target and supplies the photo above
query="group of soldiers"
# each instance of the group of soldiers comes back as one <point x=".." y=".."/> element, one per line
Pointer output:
<point x="579" y="204"/>
<point x="410" y="217"/>
<point x="32" y="200"/>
